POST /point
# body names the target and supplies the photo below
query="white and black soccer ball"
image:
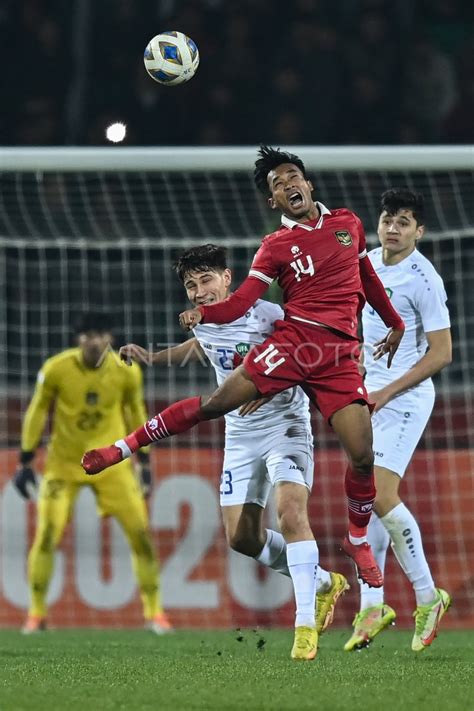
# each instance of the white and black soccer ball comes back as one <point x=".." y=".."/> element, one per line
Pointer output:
<point x="171" y="58"/>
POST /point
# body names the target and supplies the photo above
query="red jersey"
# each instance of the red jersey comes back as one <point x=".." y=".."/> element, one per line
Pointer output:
<point x="317" y="266"/>
<point x="323" y="269"/>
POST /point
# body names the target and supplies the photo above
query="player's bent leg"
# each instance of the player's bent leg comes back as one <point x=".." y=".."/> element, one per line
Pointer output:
<point x="54" y="504"/>
<point x="353" y="427"/>
<point x="379" y="540"/>
<point x="291" y="461"/>
<point x="405" y="535"/>
<point x="236" y="390"/>
<point x="387" y="483"/>
<point x="373" y="616"/>
<point x="122" y="499"/>
<point x="243" y="524"/>
<point x="303" y="558"/>
<point x="145" y="567"/>
<point x="292" y="510"/>
<point x="244" y="493"/>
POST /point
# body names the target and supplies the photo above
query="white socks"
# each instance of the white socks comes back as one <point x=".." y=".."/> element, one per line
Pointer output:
<point x="400" y="527"/>
<point x="303" y="558"/>
<point x="408" y="549"/>
<point x="299" y="561"/>
<point x="273" y="555"/>
<point x="378" y="539"/>
<point x="124" y="448"/>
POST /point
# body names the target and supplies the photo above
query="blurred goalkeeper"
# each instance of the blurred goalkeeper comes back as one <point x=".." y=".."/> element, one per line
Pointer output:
<point x="92" y="396"/>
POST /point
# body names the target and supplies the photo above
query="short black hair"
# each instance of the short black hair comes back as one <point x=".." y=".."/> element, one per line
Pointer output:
<point x="395" y="199"/>
<point x="205" y="258"/>
<point x="99" y="321"/>
<point x="269" y="159"/>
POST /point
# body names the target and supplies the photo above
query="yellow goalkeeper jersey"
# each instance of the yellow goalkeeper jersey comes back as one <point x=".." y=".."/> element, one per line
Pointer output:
<point x="90" y="407"/>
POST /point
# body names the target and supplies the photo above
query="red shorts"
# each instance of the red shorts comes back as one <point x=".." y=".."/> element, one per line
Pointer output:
<point x="323" y="363"/>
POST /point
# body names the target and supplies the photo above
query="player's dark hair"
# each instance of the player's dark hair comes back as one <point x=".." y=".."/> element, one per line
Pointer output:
<point x="269" y="159"/>
<point x="395" y="199"/>
<point x="205" y="258"/>
<point x="99" y="321"/>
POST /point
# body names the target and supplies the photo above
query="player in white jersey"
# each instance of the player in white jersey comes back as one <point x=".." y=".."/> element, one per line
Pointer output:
<point x="268" y="442"/>
<point x="404" y="398"/>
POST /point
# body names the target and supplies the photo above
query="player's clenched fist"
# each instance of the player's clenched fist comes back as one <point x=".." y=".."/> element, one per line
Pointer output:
<point x="190" y="318"/>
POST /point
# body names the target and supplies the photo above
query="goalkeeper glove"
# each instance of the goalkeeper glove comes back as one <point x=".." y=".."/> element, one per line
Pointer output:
<point x="24" y="479"/>
<point x="144" y="473"/>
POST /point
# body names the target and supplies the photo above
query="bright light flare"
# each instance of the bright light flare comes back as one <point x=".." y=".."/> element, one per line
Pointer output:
<point x="116" y="132"/>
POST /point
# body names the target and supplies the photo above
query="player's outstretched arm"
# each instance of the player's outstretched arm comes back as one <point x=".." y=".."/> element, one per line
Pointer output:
<point x="437" y="357"/>
<point x="389" y="344"/>
<point x="377" y="297"/>
<point x="232" y="308"/>
<point x="176" y="355"/>
<point x="24" y="479"/>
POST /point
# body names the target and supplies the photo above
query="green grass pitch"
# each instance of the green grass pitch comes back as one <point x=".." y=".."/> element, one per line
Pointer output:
<point x="245" y="670"/>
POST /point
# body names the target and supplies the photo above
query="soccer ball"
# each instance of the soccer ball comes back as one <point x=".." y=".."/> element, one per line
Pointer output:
<point x="171" y="58"/>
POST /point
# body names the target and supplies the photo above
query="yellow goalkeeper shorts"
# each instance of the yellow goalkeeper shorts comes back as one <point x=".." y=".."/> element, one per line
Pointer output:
<point x="117" y="491"/>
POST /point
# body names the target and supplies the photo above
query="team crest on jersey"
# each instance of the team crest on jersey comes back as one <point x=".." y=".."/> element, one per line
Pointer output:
<point x="92" y="398"/>
<point x="343" y="237"/>
<point x="295" y="250"/>
<point x="242" y="349"/>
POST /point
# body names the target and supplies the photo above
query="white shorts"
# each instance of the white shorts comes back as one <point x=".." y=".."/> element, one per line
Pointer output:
<point x="397" y="432"/>
<point x="253" y="464"/>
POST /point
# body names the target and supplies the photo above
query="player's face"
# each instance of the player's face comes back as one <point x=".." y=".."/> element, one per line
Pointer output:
<point x="398" y="233"/>
<point x="209" y="287"/>
<point x="291" y="192"/>
<point x="94" y="345"/>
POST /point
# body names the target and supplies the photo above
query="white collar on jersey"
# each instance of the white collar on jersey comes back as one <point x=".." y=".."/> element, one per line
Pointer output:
<point x="292" y="224"/>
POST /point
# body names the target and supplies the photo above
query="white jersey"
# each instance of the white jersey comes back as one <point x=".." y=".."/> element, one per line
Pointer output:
<point x="416" y="291"/>
<point x="226" y="345"/>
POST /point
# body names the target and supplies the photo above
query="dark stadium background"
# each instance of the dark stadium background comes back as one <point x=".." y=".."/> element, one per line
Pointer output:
<point x="351" y="71"/>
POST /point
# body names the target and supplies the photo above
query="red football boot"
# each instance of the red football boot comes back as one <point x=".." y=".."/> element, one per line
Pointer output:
<point x="366" y="567"/>
<point x="96" y="460"/>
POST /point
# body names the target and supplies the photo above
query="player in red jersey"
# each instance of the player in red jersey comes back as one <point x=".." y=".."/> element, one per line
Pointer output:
<point x="319" y="258"/>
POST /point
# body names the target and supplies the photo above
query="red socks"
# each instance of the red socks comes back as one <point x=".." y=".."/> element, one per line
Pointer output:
<point x="179" y="417"/>
<point x="360" y="490"/>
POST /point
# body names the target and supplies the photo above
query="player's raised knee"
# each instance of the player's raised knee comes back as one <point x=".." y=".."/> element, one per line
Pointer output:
<point x="363" y="462"/>
<point x="242" y="542"/>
